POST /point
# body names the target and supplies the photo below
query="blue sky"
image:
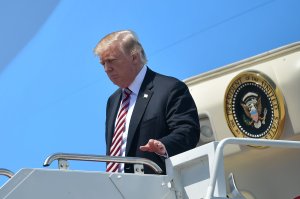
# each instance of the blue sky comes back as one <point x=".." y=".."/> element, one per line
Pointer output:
<point x="53" y="90"/>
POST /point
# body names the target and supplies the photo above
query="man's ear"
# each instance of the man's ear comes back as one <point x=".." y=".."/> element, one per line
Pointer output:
<point x="135" y="58"/>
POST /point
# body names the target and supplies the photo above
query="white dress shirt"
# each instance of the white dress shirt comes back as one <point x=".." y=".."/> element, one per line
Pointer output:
<point x="135" y="88"/>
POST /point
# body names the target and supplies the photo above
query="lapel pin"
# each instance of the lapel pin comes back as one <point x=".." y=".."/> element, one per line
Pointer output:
<point x="145" y="95"/>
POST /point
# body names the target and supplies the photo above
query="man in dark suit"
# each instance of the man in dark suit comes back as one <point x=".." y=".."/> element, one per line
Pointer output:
<point x="160" y="115"/>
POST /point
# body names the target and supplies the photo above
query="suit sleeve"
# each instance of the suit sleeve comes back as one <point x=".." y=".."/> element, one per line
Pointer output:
<point x="182" y="120"/>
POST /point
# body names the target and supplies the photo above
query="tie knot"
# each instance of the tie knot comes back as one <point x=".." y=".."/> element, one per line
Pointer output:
<point x="127" y="91"/>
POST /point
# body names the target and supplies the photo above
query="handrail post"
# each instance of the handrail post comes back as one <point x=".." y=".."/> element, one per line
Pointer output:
<point x="242" y="141"/>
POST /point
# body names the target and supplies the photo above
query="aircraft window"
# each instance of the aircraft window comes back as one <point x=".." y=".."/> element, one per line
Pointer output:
<point x="206" y="134"/>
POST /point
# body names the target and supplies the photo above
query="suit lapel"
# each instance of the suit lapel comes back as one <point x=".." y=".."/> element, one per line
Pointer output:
<point x="142" y="101"/>
<point x="115" y="103"/>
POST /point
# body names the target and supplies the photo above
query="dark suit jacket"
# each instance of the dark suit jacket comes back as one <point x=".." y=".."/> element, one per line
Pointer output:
<point x="168" y="114"/>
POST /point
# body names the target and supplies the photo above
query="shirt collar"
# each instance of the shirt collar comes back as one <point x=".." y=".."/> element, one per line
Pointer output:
<point x="136" y="84"/>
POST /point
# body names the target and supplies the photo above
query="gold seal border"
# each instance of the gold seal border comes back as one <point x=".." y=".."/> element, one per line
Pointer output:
<point x="272" y="91"/>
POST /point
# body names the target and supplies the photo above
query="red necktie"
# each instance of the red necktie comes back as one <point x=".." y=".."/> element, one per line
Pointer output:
<point x="115" y="147"/>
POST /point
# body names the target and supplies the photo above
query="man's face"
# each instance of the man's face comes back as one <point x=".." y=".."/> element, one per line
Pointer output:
<point x="119" y="67"/>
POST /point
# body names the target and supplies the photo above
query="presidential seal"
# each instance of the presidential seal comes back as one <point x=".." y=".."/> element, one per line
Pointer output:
<point x="254" y="106"/>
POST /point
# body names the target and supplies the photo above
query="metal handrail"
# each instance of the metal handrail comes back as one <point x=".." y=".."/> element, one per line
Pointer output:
<point x="102" y="158"/>
<point x="242" y="141"/>
<point x="6" y="173"/>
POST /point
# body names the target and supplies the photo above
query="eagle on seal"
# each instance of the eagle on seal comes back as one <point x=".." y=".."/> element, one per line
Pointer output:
<point x="252" y="106"/>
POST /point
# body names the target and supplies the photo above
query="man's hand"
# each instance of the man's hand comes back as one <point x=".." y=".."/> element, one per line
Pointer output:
<point x="154" y="146"/>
